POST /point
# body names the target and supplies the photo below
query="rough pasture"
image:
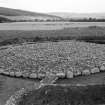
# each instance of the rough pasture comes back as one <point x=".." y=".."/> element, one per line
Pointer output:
<point x="61" y="95"/>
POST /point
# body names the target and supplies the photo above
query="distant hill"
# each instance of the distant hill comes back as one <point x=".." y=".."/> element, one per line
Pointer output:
<point x="21" y="15"/>
<point x="78" y="15"/>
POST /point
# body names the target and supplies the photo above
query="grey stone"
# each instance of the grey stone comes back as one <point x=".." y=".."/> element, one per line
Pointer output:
<point x="41" y="75"/>
<point x="33" y="75"/>
<point x="95" y="70"/>
<point x="11" y="73"/>
<point x="86" y="72"/>
<point x="77" y="73"/>
<point x="18" y="74"/>
<point x="1" y="70"/>
<point x="60" y="75"/>
<point x="25" y="75"/>
<point x="102" y="68"/>
<point x="69" y="74"/>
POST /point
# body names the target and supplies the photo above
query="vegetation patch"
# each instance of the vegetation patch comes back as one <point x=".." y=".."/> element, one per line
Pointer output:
<point x="65" y="95"/>
<point x="94" y="34"/>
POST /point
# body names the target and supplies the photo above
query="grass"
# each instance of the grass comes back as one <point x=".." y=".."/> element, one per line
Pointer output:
<point x="65" y="95"/>
<point x="24" y="61"/>
<point x="93" y="34"/>
<point x="9" y="85"/>
<point x="93" y="79"/>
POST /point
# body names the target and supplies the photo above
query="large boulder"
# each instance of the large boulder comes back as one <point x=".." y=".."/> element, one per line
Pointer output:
<point x="11" y="73"/>
<point x="41" y="75"/>
<point x="95" y="70"/>
<point x="25" y="75"/>
<point x="102" y="68"/>
<point x="1" y="70"/>
<point x="18" y="74"/>
<point x="69" y="74"/>
<point x="33" y="75"/>
<point x="60" y="75"/>
<point x="77" y="73"/>
<point x="86" y="72"/>
<point x="6" y="72"/>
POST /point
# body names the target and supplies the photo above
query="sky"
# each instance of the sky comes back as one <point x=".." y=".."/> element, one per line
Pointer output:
<point x="45" y="6"/>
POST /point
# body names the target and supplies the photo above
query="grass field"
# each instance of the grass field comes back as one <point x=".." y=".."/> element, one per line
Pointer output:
<point x="90" y="34"/>
<point x="65" y="95"/>
<point x="51" y="51"/>
<point x="47" y="25"/>
<point x="10" y="85"/>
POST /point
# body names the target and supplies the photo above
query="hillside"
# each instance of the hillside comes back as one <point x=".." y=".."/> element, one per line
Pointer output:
<point x="20" y="15"/>
<point x="78" y="15"/>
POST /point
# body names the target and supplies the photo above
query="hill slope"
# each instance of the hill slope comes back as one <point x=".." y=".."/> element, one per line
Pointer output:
<point x="19" y="15"/>
<point x="78" y="15"/>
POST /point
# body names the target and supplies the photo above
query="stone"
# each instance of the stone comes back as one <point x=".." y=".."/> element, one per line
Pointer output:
<point x="6" y="72"/>
<point x="1" y="70"/>
<point x="60" y="75"/>
<point x="102" y="68"/>
<point x="25" y="75"/>
<point x="86" y="72"/>
<point x="69" y="74"/>
<point x="11" y="73"/>
<point x="95" y="70"/>
<point x="77" y="73"/>
<point x="18" y="74"/>
<point x="41" y="75"/>
<point x="33" y="75"/>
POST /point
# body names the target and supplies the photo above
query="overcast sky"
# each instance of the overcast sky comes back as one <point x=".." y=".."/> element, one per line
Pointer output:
<point x="78" y="6"/>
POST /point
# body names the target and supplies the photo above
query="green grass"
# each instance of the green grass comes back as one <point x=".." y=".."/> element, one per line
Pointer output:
<point x="9" y="85"/>
<point x="17" y="37"/>
<point x="90" y="34"/>
<point x="67" y="95"/>
<point x="93" y="79"/>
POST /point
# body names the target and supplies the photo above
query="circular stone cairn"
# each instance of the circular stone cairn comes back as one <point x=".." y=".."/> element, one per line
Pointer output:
<point x="22" y="51"/>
